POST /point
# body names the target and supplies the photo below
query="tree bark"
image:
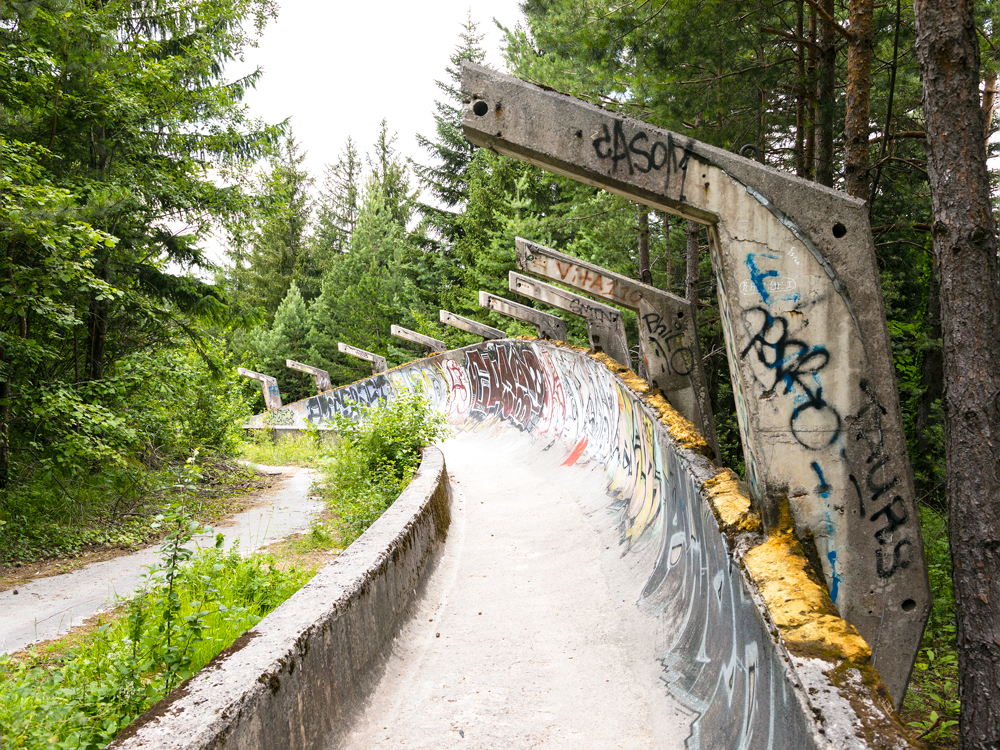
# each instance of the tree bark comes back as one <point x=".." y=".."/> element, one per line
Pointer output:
<point x="965" y="249"/>
<point x="668" y="253"/>
<point x="691" y="281"/>
<point x="859" y="84"/>
<point x="645" y="275"/>
<point x="801" y="102"/>
<point x="825" y="102"/>
<point x="809" y="157"/>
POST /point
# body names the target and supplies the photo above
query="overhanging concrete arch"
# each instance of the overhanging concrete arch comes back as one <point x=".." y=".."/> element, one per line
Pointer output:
<point x="804" y="323"/>
<point x="750" y="645"/>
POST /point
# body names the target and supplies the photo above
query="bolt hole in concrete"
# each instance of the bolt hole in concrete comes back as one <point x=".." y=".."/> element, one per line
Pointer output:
<point x="909" y="605"/>
<point x="480" y="108"/>
<point x="839" y="230"/>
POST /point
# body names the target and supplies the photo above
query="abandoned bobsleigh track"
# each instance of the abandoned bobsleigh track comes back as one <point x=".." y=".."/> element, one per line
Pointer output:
<point x="587" y="578"/>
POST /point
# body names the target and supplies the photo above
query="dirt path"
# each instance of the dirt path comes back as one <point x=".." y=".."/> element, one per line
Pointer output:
<point x="48" y="607"/>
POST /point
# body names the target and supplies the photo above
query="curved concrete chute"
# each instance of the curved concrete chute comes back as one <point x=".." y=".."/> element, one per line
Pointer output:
<point x="741" y="640"/>
<point x="805" y="329"/>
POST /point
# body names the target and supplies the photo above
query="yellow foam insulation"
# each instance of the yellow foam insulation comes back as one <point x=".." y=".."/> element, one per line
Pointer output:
<point x="799" y="606"/>
<point x="732" y="507"/>
<point x="681" y="430"/>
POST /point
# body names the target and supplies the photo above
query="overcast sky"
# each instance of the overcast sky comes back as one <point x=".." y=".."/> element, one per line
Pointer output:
<point x="337" y="68"/>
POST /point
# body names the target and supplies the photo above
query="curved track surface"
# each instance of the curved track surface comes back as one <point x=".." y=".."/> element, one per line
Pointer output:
<point x="524" y="636"/>
<point x="629" y="595"/>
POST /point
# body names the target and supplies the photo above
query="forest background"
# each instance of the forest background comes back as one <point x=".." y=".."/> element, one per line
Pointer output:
<point x="119" y="337"/>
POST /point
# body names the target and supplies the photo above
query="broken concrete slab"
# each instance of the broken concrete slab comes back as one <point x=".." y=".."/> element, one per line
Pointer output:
<point x="668" y="336"/>
<point x="268" y="384"/>
<point x="548" y="326"/>
<point x="320" y="377"/>
<point x="377" y="360"/>
<point x="428" y="342"/>
<point x="471" y="326"/>
<point x="605" y="327"/>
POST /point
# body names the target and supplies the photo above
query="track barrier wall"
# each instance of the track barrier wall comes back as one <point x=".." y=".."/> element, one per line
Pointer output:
<point x="751" y="643"/>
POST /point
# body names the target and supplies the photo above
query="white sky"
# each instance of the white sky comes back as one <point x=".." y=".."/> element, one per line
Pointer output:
<point x="337" y="68"/>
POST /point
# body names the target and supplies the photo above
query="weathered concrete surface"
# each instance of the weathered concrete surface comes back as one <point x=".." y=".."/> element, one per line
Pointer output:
<point x="377" y="360"/>
<point x="295" y="679"/>
<point x="320" y="377"/>
<point x="46" y="608"/>
<point x="547" y="326"/>
<point x="428" y="342"/>
<point x="805" y="332"/>
<point x="471" y="326"/>
<point x="740" y="625"/>
<point x="668" y="336"/>
<point x="268" y="385"/>
<point x="605" y="327"/>
<point x="523" y="637"/>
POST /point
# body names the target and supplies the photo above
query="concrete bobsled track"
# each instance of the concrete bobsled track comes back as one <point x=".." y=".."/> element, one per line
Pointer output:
<point x="589" y="580"/>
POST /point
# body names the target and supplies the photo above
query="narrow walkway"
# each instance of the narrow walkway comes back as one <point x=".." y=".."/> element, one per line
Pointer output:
<point x="520" y="638"/>
<point x="46" y="608"/>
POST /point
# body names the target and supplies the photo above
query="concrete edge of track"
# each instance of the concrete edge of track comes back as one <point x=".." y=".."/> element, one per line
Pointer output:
<point x="782" y="669"/>
<point x="295" y="680"/>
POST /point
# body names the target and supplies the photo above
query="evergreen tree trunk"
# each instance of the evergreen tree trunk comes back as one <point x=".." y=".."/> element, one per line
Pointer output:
<point x="645" y="275"/>
<point x="859" y="84"/>
<point x="931" y="372"/>
<point x="691" y="282"/>
<point x="826" y="79"/>
<point x="800" y="93"/>
<point x="668" y="253"/>
<point x="809" y="155"/>
<point x="965" y="249"/>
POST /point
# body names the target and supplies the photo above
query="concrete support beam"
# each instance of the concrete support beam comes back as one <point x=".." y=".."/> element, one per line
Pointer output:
<point x="548" y="326"/>
<point x="471" y="326"/>
<point x="431" y="344"/>
<point x="806" y="337"/>
<point x="272" y="397"/>
<point x="668" y="337"/>
<point x="320" y="377"/>
<point x="377" y="360"/>
<point x="605" y="327"/>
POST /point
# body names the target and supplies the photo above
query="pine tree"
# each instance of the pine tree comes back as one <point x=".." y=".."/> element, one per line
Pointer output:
<point x="338" y="205"/>
<point x="447" y="179"/>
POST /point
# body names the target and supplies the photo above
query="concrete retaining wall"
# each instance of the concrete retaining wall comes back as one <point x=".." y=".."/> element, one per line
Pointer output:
<point x="294" y="680"/>
<point x="751" y="643"/>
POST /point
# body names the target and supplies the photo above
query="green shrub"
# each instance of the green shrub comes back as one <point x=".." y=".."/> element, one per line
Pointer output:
<point x="376" y="456"/>
<point x="187" y="614"/>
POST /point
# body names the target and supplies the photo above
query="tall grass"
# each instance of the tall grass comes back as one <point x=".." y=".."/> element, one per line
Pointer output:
<point x="81" y="697"/>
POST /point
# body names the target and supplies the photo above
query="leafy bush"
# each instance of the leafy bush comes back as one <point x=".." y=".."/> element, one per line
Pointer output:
<point x="376" y="456"/>
<point x="82" y="698"/>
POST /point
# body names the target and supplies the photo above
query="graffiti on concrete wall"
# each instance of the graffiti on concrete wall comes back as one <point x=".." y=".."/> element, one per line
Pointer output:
<point x="716" y="654"/>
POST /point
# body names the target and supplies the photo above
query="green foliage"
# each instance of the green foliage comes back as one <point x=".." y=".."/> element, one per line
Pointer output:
<point x="376" y="456"/>
<point x="933" y="693"/>
<point x="300" y="450"/>
<point x="82" y="698"/>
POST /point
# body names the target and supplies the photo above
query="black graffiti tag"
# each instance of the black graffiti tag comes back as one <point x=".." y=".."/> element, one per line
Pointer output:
<point x="669" y="345"/>
<point x="639" y="153"/>
<point x="866" y="429"/>
<point x="793" y="364"/>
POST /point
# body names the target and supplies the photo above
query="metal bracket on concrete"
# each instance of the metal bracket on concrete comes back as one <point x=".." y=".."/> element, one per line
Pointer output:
<point x="605" y="327"/>
<point x="805" y="329"/>
<point x="272" y="397"/>
<point x="320" y="377"/>
<point x="668" y="337"/>
<point x="377" y="360"/>
<point x="471" y="326"/>
<point x="429" y="343"/>
<point x="548" y="326"/>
